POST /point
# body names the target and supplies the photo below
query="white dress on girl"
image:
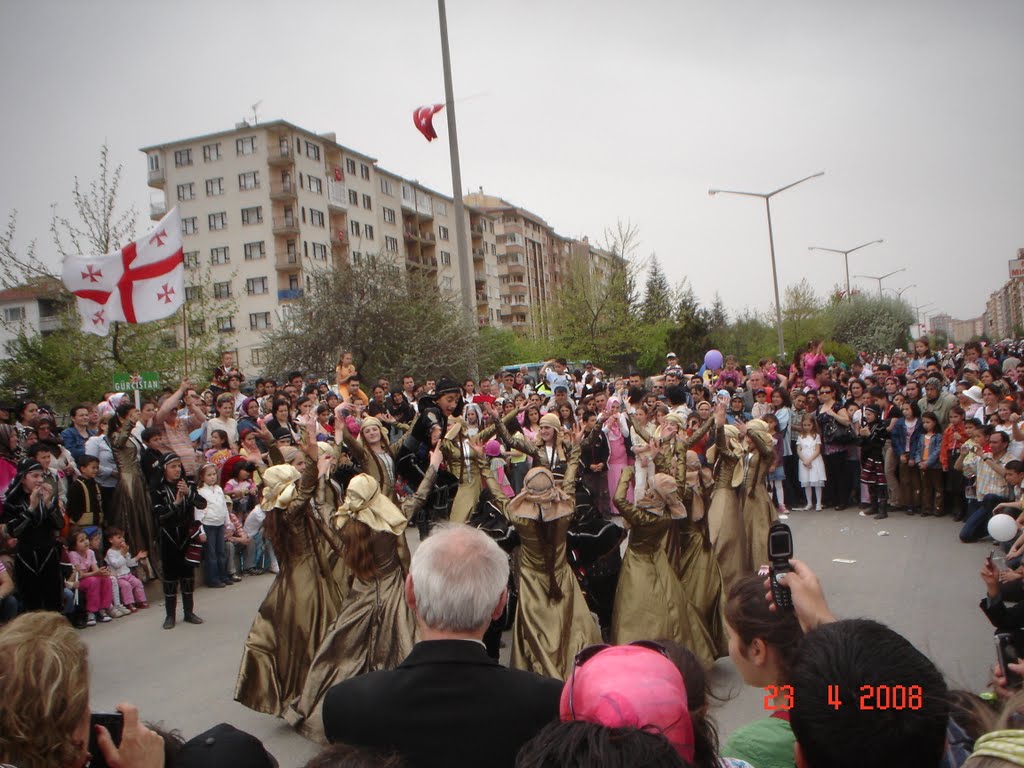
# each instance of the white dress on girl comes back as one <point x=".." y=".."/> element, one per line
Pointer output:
<point x="815" y="474"/>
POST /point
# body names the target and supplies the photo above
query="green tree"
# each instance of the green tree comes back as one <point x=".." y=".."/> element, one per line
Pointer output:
<point x="871" y="323"/>
<point x="656" y="306"/>
<point x="689" y="336"/>
<point x="394" y="323"/>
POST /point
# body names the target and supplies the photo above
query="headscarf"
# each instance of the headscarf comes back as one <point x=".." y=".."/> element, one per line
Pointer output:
<point x="735" y="448"/>
<point x="364" y="502"/>
<point x="758" y="431"/>
<point x="279" y="486"/>
<point x="1005" y="745"/>
<point x="542" y="498"/>
<point x="630" y="686"/>
<point x="674" y="418"/>
<point x="662" y="496"/>
<point x="551" y="420"/>
<point x="372" y="421"/>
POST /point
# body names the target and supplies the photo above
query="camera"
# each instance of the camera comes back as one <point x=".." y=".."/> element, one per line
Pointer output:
<point x="780" y="550"/>
<point x="1006" y="652"/>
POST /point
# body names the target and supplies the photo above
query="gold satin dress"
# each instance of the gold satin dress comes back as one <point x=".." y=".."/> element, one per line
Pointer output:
<point x="375" y="629"/>
<point x="697" y="569"/>
<point x="295" y="615"/>
<point x="759" y="511"/>
<point x="650" y="603"/>
<point x="547" y="635"/>
<point x="725" y="521"/>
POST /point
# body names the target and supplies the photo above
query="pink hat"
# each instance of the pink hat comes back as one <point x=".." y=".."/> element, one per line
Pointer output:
<point x="630" y="686"/>
<point x="493" y="448"/>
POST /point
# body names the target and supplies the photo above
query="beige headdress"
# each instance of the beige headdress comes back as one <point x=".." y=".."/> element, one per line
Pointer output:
<point x="662" y="494"/>
<point x="364" y="502"/>
<point x="542" y="498"/>
<point x="279" y="486"/>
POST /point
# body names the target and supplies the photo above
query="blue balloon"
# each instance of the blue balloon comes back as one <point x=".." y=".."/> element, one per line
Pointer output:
<point x="713" y="359"/>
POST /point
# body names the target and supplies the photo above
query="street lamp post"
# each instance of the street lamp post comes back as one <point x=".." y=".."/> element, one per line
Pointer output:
<point x="904" y="289"/>
<point x="880" y="278"/>
<point x="846" y="257"/>
<point x="767" y="196"/>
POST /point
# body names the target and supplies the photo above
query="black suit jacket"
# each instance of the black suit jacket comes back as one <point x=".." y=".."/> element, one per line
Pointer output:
<point x="447" y="705"/>
<point x="1006" y="619"/>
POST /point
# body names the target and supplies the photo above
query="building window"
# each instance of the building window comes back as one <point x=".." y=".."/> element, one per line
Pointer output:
<point x="367" y="202"/>
<point x="196" y="328"/>
<point x="368" y="231"/>
<point x="442" y="232"/>
<point x="225" y="324"/>
<point x="440" y="208"/>
<point x="353" y="197"/>
<point x="353" y="227"/>
<point x="222" y="290"/>
<point x="320" y="251"/>
<point x="193" y="292"/>
<point x="315" y="184"/>
<point x="389" y="216"/>
<point x="364" y="170"/>
<point x="182" y="157"/>
<point x="252" y="215"/>
<point x="259" y="321"/>
<point x="250" y="180"/>
<point x="258" y="356"/>
<point x="312" y="151"/>
<point x="316" y="218"/>
<point x="446" y="283"/>
<point x="350" y="165"/>
<point x="446" y="259"/>
<point x="190" y="225"/>
<point x="219" y="256"/>
<point x="254" y="251"/>
<point x="14" y="314"/>
<point x="357" y="257"/>
<point x="191" y="259"/>
<point x="256" y="285"/>
<point x="387" y="188"/>
<point x="217" y="221"/>
<point x="246" y="146"/>
<point x="211" y="152"/>
<point x="186" y="191"/>
<point x="293" y="282"/>
<point x="391" y="244"/>
<point x="214" y="187"/>
<point x="154" y="162"/>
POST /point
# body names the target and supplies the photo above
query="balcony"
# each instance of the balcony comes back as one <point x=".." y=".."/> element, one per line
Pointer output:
<point x="49" y="323"/>
<point x="519" y="304"/>
<point x="516" y="267"/>
<point x="157" y="178"/>
<point x="336" y="195"/>
<point x="280" y="155"/>
<point x="511" y="247"/>
<point x="481" y="299"/>
<point x="287" y="261"/>
<point x="283" y="190"/>
<point x="157" y="210"/>
<point x="477" y="230"/>
<point x="285" y="225"/>
<point x="478" y="254"/>
<point x="339" y="237"/>
<point x="290" y="294"/>
<point x="428" y="237"/>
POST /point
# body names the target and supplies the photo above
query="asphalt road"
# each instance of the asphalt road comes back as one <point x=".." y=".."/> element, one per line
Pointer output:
<point x="919" y="579"/>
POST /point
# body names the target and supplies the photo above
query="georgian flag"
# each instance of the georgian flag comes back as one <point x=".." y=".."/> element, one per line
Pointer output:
<point x="142" y="282"/>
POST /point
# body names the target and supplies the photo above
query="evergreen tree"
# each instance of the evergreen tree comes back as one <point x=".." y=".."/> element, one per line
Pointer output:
<point x="656" y="306"/>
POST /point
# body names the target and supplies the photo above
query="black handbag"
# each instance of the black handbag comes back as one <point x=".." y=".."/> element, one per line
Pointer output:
<point x="836" y="433"/>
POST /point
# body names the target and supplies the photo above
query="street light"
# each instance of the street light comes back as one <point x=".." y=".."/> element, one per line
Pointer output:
<point x="846" y="257"/>
<point x="881" y="278"/>
<point x="767" y="196"/>
<point x="901" y="291"/>
<point x="917" y="315"/>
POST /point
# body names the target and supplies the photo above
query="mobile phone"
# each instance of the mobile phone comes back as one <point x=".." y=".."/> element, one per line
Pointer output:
<point x="780" y="550"/>
<point x="114" y="723"/>
<point x="1006" y="652"/>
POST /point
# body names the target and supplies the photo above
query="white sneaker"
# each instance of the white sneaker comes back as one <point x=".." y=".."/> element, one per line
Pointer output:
<point x="122" y="611"/>
<point x="818" y="508"/>
<point x="805" y="508"/>
<point x="90" y="620"/>
<point x="103" y="617"/>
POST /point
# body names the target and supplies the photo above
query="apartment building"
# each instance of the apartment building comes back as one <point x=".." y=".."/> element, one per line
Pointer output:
<point x="965" y="330"/>
<point x="265" y="206"/>
<point x="35" y="308"/>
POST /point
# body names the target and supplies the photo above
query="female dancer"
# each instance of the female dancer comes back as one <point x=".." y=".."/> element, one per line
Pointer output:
<point x="619" y="448"/>
<point x="132" y="505"/>
<point x="649" y="600"/>
<point x="758" y="511"/>
<point x="375" y="629"/>
<point x="725" y="524"/>
<point x="305" y="597"/>
<point x="553" y="622"/>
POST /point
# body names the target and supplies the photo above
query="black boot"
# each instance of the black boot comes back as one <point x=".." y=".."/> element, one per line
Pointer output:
<point x="170" y="602"/>
<point x="187" y="585"/>
<point x="882" y="512"/>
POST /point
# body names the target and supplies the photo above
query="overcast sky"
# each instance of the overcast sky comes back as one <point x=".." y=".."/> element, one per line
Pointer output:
<point x="584" y="112"/>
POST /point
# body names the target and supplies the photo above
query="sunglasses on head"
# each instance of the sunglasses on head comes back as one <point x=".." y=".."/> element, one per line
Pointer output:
<point x="591" y="651"/>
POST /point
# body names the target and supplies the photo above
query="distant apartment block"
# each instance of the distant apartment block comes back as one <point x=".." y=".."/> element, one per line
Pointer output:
<point x="267" y="205"/>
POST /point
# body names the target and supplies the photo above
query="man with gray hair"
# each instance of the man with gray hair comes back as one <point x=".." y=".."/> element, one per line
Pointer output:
<point x="448" y="704"/>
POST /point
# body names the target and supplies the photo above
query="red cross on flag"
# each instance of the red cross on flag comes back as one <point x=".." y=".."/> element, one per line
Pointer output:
<point x="142" y="282"/>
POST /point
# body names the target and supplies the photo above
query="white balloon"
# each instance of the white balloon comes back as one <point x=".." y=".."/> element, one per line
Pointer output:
<point x="1002" y="527"/>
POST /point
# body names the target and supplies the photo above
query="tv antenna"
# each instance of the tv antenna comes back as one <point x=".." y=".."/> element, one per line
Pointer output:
<point x="255" y="117"/>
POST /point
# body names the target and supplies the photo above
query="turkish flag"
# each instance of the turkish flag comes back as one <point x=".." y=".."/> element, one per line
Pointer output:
<point x="423" y="119"/>
<point x="142" y="282"/>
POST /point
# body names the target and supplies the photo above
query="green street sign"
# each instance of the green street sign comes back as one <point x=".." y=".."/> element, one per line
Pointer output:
<point x="125" y="382"/>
